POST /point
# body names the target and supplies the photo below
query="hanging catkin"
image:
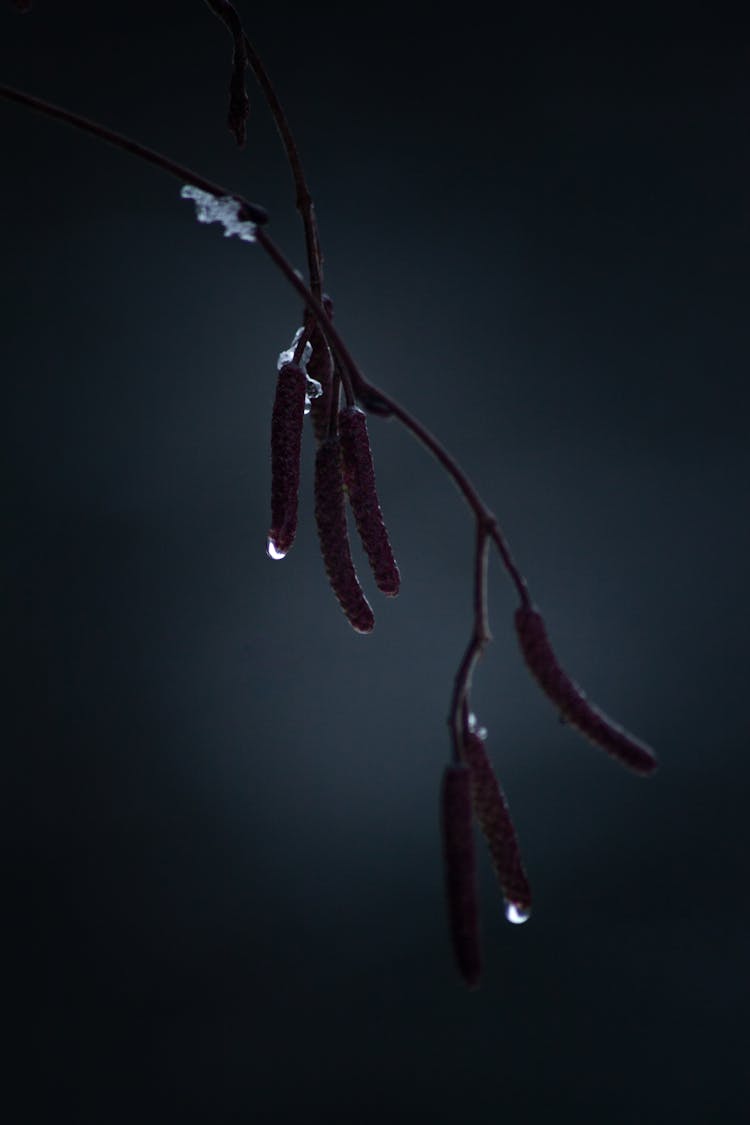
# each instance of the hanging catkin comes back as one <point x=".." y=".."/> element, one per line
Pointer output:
<point x="359" y="478"/>
<point x="330" y="516"/>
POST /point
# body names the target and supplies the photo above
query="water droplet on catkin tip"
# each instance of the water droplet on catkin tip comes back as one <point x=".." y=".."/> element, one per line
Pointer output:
<point x="516" y="914"/>
<point x="273" y="551"/>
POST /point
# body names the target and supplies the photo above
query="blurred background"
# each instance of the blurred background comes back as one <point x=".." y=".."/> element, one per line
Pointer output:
<point x="221" y="845"/>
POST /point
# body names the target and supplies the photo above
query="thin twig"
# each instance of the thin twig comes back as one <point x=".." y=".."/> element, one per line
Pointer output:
<point x="480" y="638"/>
<point x="354" y="383"/>
<point x="252" y="212"/>
<point x="304" y="200"/>
<point x="486" y="795"/>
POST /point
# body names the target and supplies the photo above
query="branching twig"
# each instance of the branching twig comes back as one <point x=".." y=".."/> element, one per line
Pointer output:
<point x="344" y="374"/>
<point x="248" y="211"/>
<point x="304" y="201"/>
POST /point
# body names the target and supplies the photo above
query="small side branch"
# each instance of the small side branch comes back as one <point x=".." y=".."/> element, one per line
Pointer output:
<point x="239" y="103"/>
<point x="378" y="402"/>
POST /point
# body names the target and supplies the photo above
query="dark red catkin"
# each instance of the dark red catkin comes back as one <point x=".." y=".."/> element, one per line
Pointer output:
<point x="571" y="702"/>
<point x="330" y="516"/>
<point x="459" y="860"/>
<point x="359" y="478"/>
<point x="286" y="441"/>
<point x="494" y="818"/>
<point x="320" y="367"/>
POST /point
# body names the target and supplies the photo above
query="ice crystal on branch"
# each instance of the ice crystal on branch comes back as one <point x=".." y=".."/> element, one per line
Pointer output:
<point x="313" y="388"/>
<point x="224" y="209"/>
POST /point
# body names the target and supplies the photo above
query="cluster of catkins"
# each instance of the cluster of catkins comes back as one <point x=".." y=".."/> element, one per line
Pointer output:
<point x="307" y="382"/>
<point x="471" y="790"/>
<point x="343" y="467"/>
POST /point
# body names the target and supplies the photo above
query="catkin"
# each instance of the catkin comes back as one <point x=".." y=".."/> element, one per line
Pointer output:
<point x="460" y="871"/>
<point x="359" y="479"/>
<point x="495" y="821"/>
<point x="571" y="702"/>
<point x="330" y="516"/>
<point x="286" y="441"/>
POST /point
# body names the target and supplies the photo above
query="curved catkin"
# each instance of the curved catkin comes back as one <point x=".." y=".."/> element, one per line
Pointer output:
<point x="571" y="702"/>
<point x="460" y="871"/>
<point x="359" y="478"/>
<point x="320" y="367"/>
<point x="330" y="516"/>
<point x="286" y="440"/>
<point x="495" y="821"/>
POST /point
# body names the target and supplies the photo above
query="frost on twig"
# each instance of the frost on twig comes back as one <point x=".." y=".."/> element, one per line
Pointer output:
<point x="224" y="209"/>
<point x="293" y="354"/>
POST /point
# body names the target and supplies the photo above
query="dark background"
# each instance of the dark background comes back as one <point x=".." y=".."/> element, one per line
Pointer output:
<point x="223" y="877"/>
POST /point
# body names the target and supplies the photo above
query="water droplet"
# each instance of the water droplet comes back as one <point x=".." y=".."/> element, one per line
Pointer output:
<point x="480" y="732"/>
<point x="516" y="914"/>
<point x="273" y="551"/>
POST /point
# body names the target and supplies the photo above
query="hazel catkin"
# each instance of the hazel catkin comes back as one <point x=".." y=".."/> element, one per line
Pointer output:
<point x="286" y="441"/>
<point x="359" y="479"/>
<point x="330" y="516"/>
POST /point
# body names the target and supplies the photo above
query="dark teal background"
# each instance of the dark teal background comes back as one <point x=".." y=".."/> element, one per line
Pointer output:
<point x="223" y="877"/>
